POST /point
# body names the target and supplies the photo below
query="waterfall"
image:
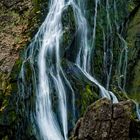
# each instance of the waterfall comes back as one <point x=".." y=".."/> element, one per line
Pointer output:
<point x="50" y="75"/>
<point x="50" y="82"/>
<point x="45" y="117"/>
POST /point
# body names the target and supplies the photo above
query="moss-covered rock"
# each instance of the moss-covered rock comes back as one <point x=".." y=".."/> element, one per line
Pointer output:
<point x="19" y="21"/>
<point x="104" y="120"/>
<point x="133" y="39"/>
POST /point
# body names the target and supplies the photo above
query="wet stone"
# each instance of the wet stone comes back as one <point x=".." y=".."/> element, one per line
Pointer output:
<point x="104" y="120"/>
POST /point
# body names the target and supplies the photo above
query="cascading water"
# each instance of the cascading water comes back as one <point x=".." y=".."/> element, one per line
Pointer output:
<point x="50" y="73"/>
<point x="50" y="82"/>
<point x="84" y="54"/>
<point x="45" y="117"/>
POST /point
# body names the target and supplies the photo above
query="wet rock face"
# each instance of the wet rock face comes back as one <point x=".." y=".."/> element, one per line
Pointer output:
<point x="133" y="42"/>
<point x="104" y="121"/>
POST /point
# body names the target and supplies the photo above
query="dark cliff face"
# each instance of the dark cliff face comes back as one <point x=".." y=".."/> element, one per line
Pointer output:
<point x="19" y="21"/>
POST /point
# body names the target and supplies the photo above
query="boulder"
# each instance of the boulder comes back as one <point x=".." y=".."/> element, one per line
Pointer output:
<point x="104" y="120"/>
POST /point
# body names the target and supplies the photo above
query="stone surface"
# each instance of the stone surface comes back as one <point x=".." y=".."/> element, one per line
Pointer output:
<point x="135" y="129"/>
<point x="14" y="23"/>
<point x="104" y="121"/>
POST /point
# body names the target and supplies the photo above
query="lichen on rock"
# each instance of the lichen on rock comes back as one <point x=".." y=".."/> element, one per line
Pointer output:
<point x="104" y="120"/>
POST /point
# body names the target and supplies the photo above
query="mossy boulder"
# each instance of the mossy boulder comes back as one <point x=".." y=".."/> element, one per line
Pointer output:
<point x="104" y="120"/>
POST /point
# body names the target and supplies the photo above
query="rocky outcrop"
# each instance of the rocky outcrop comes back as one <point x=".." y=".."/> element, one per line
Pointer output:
<point x="104" y="121"/>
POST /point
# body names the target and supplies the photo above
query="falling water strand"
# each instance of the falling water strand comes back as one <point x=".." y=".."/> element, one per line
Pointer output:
<point x="95" y="23"/>
<point x="82" y="30"/>
<point x="45" y="117"/>
<point x="123" y="61"/>
<point x="122" y="67"/>
<point x="84" y="51"/>
<point x="108" y="45"/>
<point x="93" y="37"/>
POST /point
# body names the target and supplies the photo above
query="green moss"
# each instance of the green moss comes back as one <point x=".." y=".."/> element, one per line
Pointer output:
<point x="99" y="103"/>
<point x="16" y="69"/>
<point x="133" y="29"/>
<point x="133" y="84"/>
<point x="132" y="5"/>
<point x="5" y="138"/>
<point x="135" y="96"/>
<point x="87" y="97"/>
<point x="36" y="5"/>
<point x="12" y="116"/>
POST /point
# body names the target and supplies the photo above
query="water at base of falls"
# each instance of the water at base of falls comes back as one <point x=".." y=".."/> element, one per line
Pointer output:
<point x="50" y="80"/>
